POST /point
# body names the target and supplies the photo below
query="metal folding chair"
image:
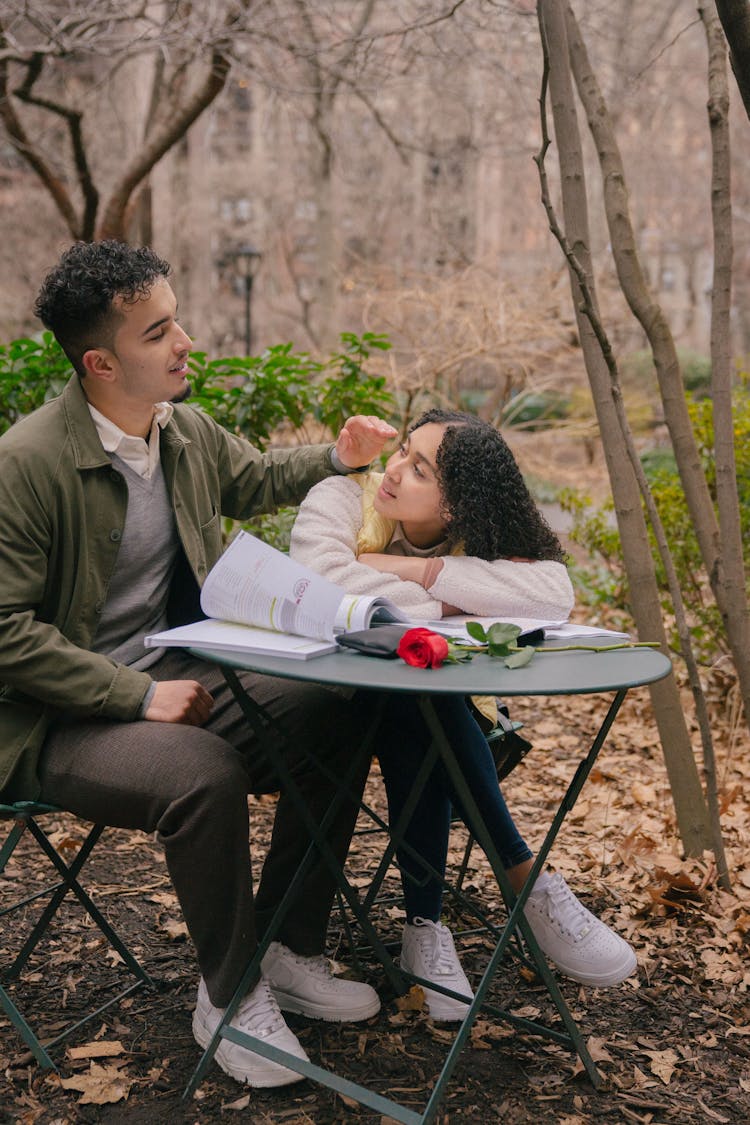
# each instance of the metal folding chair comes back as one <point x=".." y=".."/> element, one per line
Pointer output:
<point x="24" y="817"/>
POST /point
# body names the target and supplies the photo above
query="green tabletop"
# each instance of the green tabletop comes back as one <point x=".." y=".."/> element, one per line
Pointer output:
<point x="549" y="673"/>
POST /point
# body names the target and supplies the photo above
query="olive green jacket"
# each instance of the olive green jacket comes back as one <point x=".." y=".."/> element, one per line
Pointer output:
<point x="62" y="510"/>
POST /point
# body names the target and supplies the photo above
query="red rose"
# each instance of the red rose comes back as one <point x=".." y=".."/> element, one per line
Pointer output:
<point x="422" y="648"/>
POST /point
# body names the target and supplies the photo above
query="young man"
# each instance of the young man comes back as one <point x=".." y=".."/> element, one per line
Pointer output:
<point x="112" y="497"/>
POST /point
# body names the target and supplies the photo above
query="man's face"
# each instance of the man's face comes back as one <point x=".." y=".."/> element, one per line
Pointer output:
<point x="150" y="349"/>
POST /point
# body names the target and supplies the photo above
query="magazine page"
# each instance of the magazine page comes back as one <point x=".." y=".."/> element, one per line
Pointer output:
<point x="572" y="631"/>
<point x="455" y="626"/>
<point x="254" y="584"/>
<point x="358" y="611"/>
<point x="561" y="632"/>
<point x="229" y="637"/>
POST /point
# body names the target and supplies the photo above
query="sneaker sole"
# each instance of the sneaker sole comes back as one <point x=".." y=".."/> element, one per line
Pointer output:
<point x="288" y="1002"/>
<point x="269" y="1074"/>
<point x="445" y="1015"/>
<point x="440" y="1008"/>
<point x="616" y="975"/>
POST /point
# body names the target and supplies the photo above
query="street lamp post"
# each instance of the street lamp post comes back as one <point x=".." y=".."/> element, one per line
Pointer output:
<point x="246" y="260"/>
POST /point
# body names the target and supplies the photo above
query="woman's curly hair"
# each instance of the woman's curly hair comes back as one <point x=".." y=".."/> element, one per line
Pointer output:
<point x="76" y="297"/>
<point x="486" y="504"/>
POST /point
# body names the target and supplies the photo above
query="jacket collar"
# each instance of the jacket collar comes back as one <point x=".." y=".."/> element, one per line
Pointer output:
<point x="88" y="450"/>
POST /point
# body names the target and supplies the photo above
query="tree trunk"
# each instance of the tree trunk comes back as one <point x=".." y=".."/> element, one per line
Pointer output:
<point x="680" y="762"/>
<point x="727" y="494"/>
<point x="114" y="221"/>
<point x="715" y="547"/>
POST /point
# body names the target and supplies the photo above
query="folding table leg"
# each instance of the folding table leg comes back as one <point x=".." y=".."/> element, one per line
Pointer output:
<point x="516" y="903"/>
<point x="571" y="1037"/>
<point x="262" y="724"/>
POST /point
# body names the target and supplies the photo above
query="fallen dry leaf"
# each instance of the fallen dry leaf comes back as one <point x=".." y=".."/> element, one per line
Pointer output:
<point x="176" y="930"/>
<point x="598" y="1049"/>
<point x="663" y="1064"/>
<point x="643" y="794"/>
<point x="411" y="1001"/>
<point x="100" y="1085"/>
<point x="241" y="1103"/>
<point x="102" y="1049"/>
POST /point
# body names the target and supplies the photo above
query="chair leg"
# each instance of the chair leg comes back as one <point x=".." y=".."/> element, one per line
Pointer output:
<point x="25" y="1031"/>
<point x="68" y="882"/>
<point x="464" y="865"/>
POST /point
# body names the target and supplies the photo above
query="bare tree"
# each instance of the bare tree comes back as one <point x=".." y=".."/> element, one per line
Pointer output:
<point x="45" y="106"/>
<point x="721" y="549"/>
<point x="681" y="767"/>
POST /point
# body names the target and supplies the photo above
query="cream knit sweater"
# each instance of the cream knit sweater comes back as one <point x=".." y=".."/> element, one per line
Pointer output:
<point x="324" y="538"/>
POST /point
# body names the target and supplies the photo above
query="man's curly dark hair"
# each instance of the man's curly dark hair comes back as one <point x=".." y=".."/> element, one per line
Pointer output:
<point x="76" y="298"/>
<point x="485" y="502"/>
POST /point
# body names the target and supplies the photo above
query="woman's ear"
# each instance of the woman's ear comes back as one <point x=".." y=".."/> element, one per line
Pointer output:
<point x="99" y="363"/>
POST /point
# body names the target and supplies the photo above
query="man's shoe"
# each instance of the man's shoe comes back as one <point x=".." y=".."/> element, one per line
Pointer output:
<point x="258" y="1015"/>
<point x="306" y="986"/>
<point x="580" y="945"/>
<point x="427" y="951"/>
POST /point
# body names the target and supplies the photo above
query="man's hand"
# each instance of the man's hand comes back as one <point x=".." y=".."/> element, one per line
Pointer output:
<point x="361" y="439"/>
<point x="180" y="701"/>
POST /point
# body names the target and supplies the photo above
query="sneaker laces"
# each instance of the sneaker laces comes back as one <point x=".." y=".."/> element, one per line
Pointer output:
<point x="563" y="909"/>
<point x="316" y="965"/>
<point x="436" y="945"/>
<point x="259" y="1014"/>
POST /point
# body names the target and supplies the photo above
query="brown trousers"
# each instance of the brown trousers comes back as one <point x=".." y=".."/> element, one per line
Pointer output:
<point x="190" y="785"/>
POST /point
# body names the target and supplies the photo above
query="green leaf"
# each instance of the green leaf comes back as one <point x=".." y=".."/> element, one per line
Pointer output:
<point x="502" y="633"/>
<point x="476" y="630"/>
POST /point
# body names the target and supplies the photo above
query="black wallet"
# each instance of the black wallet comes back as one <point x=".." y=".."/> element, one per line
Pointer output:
<point x="380" y="640"/>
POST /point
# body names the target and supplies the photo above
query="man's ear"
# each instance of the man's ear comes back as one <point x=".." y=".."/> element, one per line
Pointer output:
<point x="99" y="364"/>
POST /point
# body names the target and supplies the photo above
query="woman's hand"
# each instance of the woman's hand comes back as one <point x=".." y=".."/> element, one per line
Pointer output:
<point x="411" y="570"/>
<point x="421" y="571"/>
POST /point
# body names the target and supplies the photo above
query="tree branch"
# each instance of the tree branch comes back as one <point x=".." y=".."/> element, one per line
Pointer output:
<point x="25" y="93"/>
<point x="113" y="221"/>
<point x="32" y="155"/>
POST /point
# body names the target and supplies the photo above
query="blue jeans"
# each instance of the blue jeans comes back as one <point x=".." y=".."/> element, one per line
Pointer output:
<point x="402" y="743"/>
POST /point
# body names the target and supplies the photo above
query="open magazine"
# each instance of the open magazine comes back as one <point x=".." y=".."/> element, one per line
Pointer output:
<point x="258" y="600"/>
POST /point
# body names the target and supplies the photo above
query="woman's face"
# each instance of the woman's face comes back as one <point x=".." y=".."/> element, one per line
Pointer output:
<point x="410" y="492"/>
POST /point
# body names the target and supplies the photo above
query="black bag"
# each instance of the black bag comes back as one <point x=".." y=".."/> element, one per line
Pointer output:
<point x="380" y="640"/>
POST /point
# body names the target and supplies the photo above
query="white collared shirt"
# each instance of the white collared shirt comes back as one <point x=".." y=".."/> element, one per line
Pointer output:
<point x="140" y="454"/>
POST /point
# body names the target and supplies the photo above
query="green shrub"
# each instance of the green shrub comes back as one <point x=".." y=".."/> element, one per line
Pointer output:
<point x="254" y="395"/>
<point x="658" y="460"/>
<point x="595" y="530"/>
<point x="31" y="372"/>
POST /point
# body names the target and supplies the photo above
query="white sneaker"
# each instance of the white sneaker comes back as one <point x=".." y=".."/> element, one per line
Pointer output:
<point x="259" y="1015"/>
<point x="306" y="986"/>
<point x="427" y="951"/>
<point x="580" y="945"/>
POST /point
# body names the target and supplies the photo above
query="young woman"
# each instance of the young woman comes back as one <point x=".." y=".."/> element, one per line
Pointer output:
<point x="450" y="527"/>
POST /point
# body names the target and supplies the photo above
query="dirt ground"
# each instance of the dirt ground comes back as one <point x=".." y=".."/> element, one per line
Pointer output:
<point x="672" y="1044"/>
